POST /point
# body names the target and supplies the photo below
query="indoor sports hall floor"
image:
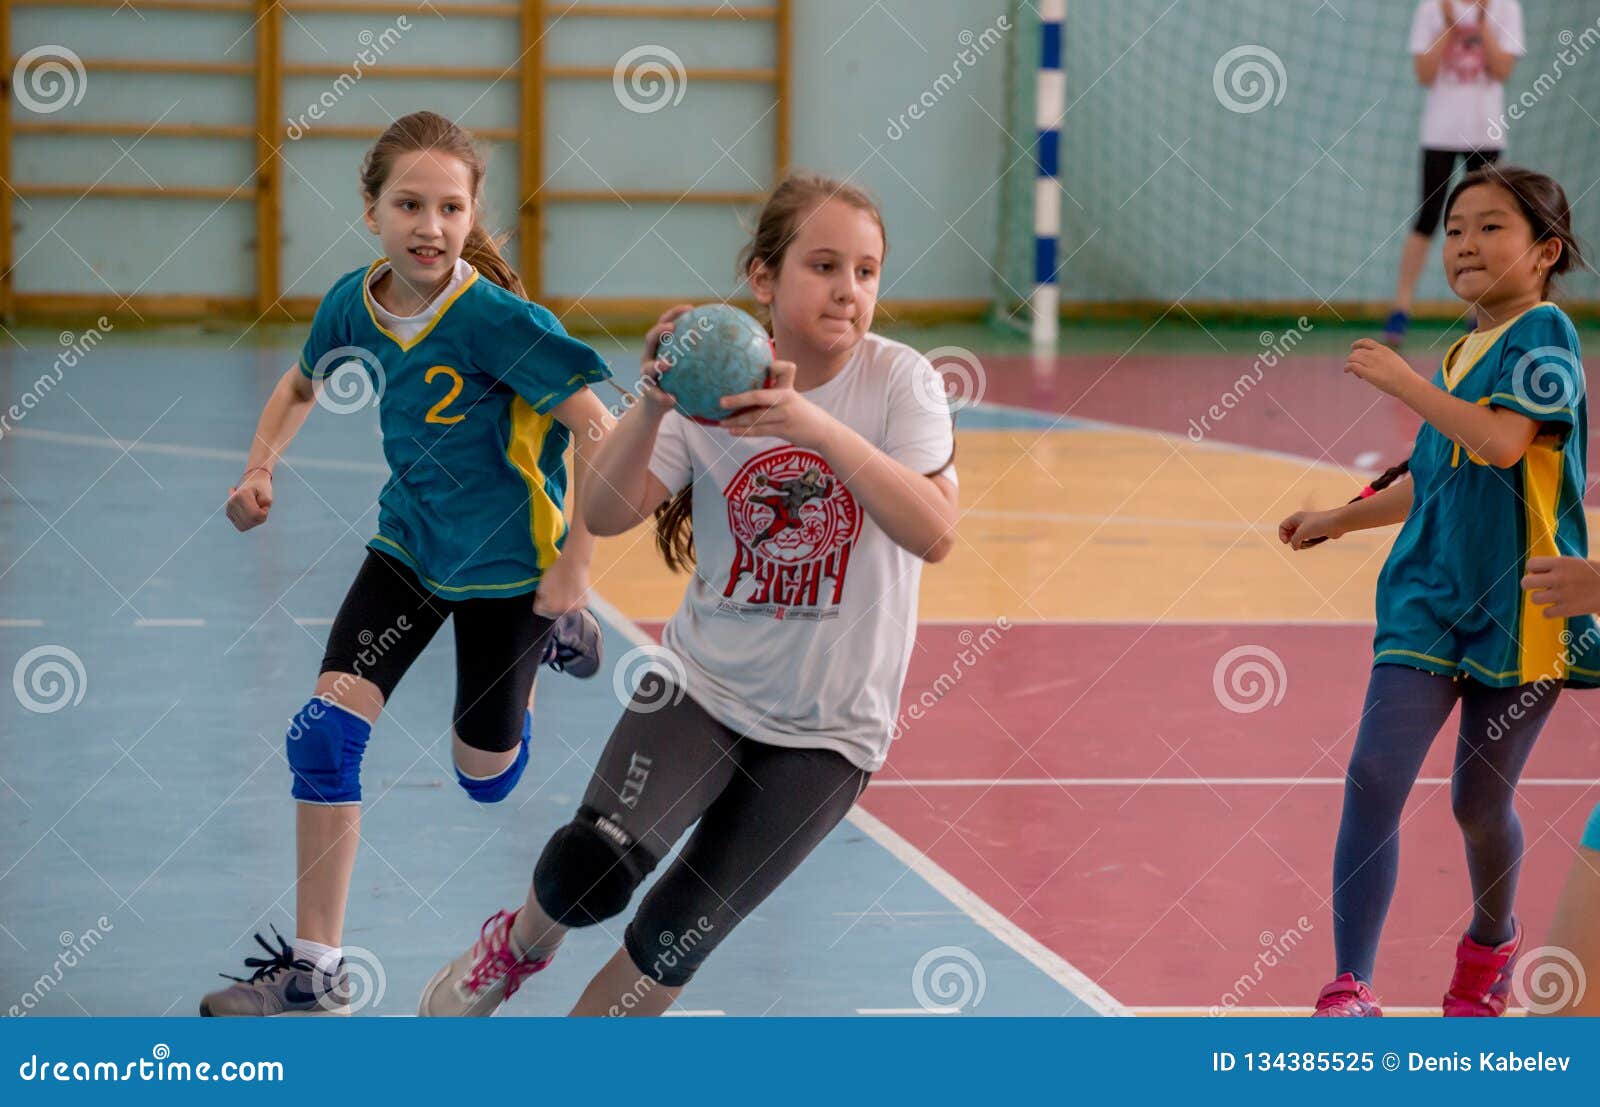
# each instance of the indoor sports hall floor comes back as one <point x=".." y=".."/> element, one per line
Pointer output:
<point x="1118" y="794"/>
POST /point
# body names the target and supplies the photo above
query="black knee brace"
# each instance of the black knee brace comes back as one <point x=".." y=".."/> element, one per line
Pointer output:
<point x="589" y="870"/>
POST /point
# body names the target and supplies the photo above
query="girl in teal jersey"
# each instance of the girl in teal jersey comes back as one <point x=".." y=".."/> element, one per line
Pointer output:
<point x="1497" y="478"/>
<point x="479" y="393"/>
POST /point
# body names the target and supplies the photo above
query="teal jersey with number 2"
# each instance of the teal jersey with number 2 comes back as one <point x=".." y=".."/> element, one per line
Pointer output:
<point x="477" y="471"/>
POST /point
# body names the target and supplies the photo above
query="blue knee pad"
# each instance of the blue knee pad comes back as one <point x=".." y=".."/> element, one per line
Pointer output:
<point x="325" y="743"/>
<point x="493" y="789"/>
<point x="1591" y="833"/>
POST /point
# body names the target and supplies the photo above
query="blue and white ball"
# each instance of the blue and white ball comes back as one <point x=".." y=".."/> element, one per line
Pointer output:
<point x="712" y="351"/>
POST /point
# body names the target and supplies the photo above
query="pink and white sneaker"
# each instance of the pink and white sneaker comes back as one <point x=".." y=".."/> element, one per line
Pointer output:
<point x="1347" y="998"/>
<point x="1482" y="981"/>
<point x="475" y="984"/>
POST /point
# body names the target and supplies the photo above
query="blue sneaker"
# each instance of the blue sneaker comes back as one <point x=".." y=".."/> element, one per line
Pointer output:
<point x="575" y="644"/>
<point x="1394" y="330"/>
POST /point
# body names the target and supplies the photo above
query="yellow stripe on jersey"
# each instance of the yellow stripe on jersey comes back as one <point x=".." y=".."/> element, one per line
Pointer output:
<point x="1541" y="644"/>
<point x="546" y="524"/>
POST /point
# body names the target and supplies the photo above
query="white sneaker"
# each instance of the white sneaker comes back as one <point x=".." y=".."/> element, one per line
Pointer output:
<point x="475" y="984"/>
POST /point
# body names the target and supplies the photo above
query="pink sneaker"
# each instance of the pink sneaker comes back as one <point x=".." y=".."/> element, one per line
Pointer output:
<point x="1482" y="981"/>
<point x="1347" y="998"/>
<point x="475" y="984"/>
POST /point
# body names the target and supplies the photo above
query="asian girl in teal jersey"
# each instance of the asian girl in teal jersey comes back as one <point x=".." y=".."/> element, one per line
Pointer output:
<point x="1498" y="473"/>
<point x="479" y="393"/>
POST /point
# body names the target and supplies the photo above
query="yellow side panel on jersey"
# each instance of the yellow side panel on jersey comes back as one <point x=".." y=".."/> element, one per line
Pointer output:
<point x="1541" y="637"/>
<point x="545" y="521"/>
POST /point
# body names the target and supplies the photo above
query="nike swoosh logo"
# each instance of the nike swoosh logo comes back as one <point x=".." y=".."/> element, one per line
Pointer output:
<point x="293" y="993"/>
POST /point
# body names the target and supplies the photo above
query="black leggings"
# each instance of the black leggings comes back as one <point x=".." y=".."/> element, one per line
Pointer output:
<point x="1437" y="166"/>
<point x="761" y="810"/>
<point x="388" y="617"/>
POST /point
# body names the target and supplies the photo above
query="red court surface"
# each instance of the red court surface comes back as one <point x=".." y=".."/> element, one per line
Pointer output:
<point x="1166" y="841"/>
<point x="1306" y="406"/>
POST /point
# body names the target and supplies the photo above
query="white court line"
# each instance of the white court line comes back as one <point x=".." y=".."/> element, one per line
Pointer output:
<point x="908" y="1010"/>
<point x="169" y="622"/>
<point x="1046" y="960"/>
<point x="709" y="1013"/>
<point x="21" y="622"/>
<point x="313" y="621"/>
<point x="178" y="450"/>
<point x="1183" y="781"/>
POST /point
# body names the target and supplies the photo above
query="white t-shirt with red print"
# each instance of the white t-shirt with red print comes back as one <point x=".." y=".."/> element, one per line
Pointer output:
<point x="1465" y="106"/>
<point x="798" y="622"/>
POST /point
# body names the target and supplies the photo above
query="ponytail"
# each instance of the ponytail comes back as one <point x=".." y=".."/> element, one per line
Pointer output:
<point x="482" y="252"/>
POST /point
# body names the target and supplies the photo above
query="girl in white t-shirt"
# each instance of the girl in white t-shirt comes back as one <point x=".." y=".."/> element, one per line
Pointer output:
<point x="1463" y="51"/>
<point x="812" y="509"/>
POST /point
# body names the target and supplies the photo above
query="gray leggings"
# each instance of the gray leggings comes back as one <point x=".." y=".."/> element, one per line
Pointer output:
<point x="761" y="809"/>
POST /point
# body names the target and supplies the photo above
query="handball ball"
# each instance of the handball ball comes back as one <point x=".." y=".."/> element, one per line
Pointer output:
<point x="712" y="351"/>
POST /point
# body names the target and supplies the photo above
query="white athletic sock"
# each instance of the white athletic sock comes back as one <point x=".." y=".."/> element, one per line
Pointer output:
<point x="323" y="957"/>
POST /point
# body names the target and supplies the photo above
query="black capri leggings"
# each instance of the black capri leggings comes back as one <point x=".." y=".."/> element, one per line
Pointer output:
<point x="388" y="617"/>
<point x="761" y="809"/>
<point x="1437" y="167"/>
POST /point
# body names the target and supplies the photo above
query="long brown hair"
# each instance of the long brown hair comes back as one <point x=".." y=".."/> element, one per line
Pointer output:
<point x="1542" y="203"/>
<point x="426" y="130"/>
<point x="796" y="197"/>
